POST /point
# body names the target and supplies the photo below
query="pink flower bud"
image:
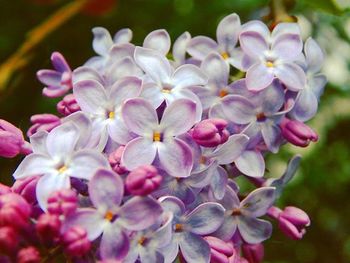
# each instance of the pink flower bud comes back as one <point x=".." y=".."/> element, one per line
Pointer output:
<point x="43" y="122"/>
<point x="253" y="253"/>
<point x="76" y="242"/>
<point x="9" y="239"/>
<point x="62" y="202"/>
<point x="143" y="180"/>
<point x="12" y="142"/>
<point x="297" y="133"/>
<point x="68" y="105"/>
<point x="28" y="255"/>
<point x="211" y="132"/>
<point x="292" y="222"/>
<point x="4" y="189"/>
<point x="14" y="211"/>
<point x="115" y="159"/>
<point x="220" y="250"/>
<point x="26" y="188"/>
<point x="48" y="228"/>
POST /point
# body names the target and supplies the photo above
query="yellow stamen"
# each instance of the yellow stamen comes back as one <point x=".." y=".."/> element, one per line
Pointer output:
<point x="62" y="169"/>
<point x="156" y="136"/>
<point x="142" y="240"/>
<point x="178" y="227"/>
<point x="223" y="93"/>
<point x="225" y="55"/>
<point x="203" y="160"/>
<point x="164" y="90"/>
<point x="111" y="115"/>
<point x="236" y="212"/>
<point x="269" y="64"/>
<point x="109" y="216"/>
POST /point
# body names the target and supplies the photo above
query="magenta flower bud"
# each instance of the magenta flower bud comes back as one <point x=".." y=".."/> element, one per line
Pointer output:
<point x="28" y="255"/>
<point x="12" y="142"/>
<point x="26" y="187"/>
<point x="220" y="251"/>
<point x="292" y="222"/>
<point x="68" y="105"/>
<point x="115" y="159"/>
<point x="297" y="133"/>
<point x="62" y="202"/>
<point x="48" y="227"/>
<point x="9" y="240"/>
<point x="75" y="241"/>
<point x="143" y="180"/>
<point x="4" y="189"/>
<point x="211" y="132"/>
<point x="14" y="211"/>
<point x="43" y="122"/>
<point x="253" y="253"/>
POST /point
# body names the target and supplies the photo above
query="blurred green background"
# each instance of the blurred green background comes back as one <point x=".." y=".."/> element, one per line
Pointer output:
<point x="322" y="185"/>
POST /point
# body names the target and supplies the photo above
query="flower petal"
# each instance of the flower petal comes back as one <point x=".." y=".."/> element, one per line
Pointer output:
<point x="230" y="150"/>
<point x="238" y="109"/>
<point x="102" y="41"/>
<point x="251" y="163"/>
<point x="154" y="64"/>
<point x="86" y="73"/>
<point x="48" y="184"/>
<point x="258" y="202"/>
<point x="227" y="229"/>
<point x="49" y="77"/>
<point x="119" y="132"/>
<point x="217" y="70"/>
<point x="259" y="77"/>
<point x="140" y="116"/>
<point x="199" y="47"/>
<point x="271" y="98"/>
<point x="125" y="88"/>
<point x="114" y="243"/>
<point x="180" y="46"/>
<point x="172" y="204"/>
<point x="106" y="189"/>
<point x="205" y="218"/>
<point x="123" y="36"/>
<point x="139" y="213"/>
<point x="314" y="55"/>
<point x="228" y="30"/>
<point x="178" y="117"/>
<point x="253" y="43"/>
<point x="85" y="163"/>
<point x="194" y="248"/>
<point x="139" y="151"/>
<point x="158" y="40"/>
<point x="38" y="142"/>
<point x="91" y="96"/>
<point x="253" y="230"/>
<point x="271" y="134"/>
<point x="219" y="182"/>
<point x="175" y="157"/>
<point x="34" y="164"/>
<point x="187" y="76"/>
<point x="287" y="46"/>
<point x="291" y="75"/>
<point x="305" y="106"/>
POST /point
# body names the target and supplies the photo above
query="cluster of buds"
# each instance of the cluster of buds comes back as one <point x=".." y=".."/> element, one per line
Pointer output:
<point x="141" y="166"/>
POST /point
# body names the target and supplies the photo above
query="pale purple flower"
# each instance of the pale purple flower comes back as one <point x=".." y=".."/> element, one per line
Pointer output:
<point x="179" y="49"/>
<point x="273" y="54"/>
<point x="261" y="111"/>
<point x="306" y="102"/>
<point x="189" y="227"/>
<point x="104" y="106"/>
<point x="58" y="81"/>
<point x="146" y="245"/>
<point x="243" y="216"/>
<point x="165" y="83"/>
<point x="159" y="138"/>
<point x="158" y="40"/>
<point x="55" y="158"/>
<point x="111" y="219"/>
<point x="227" y="34"/>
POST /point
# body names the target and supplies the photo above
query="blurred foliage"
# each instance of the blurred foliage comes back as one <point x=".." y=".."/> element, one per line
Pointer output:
<point x="322" y="184"/>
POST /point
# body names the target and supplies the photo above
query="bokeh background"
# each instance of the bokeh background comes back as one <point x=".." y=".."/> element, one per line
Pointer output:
<point x="322" y="185"/>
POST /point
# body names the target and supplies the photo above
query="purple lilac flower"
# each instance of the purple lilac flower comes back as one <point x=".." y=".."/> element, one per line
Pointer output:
<point x="260" y="111"/>
<point x="306" y="102"/>
<point x="273" y="55"/>
<point x="189" y="227"/>
<point x="227" y="34"/>
<point x="58" y="81"/>
<point x="104" y="106"/>
<point x="243" y="216"/>
<point x="54" y="158"/>
<point x="111" y="219"/>
<point x="165" y="84"/>
<point x="159" y="138"/>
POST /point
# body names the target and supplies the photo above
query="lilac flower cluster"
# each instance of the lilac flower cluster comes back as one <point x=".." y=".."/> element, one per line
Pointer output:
<point x="142" y="165"/>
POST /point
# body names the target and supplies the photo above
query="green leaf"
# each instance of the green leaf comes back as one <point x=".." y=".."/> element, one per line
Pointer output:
<point x="329" y="6"/>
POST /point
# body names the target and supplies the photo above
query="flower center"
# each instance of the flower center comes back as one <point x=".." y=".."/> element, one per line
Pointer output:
<point x="167" y="88"/>
<point x="225" y="55"/>
<point x="109" y="216"/>
<point x="261" y="116"/>
<point x="269" y="64"/>
<point x="203" y="160"/>
<point x="111" y="115"/>
<point x="236" y="212"/>
<point x="62" y="169"/>
<point x="223" y="92"/>
<point x="142" y="240"/>
<point x="179" y="227"/>
<point x="157" y="137"/>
